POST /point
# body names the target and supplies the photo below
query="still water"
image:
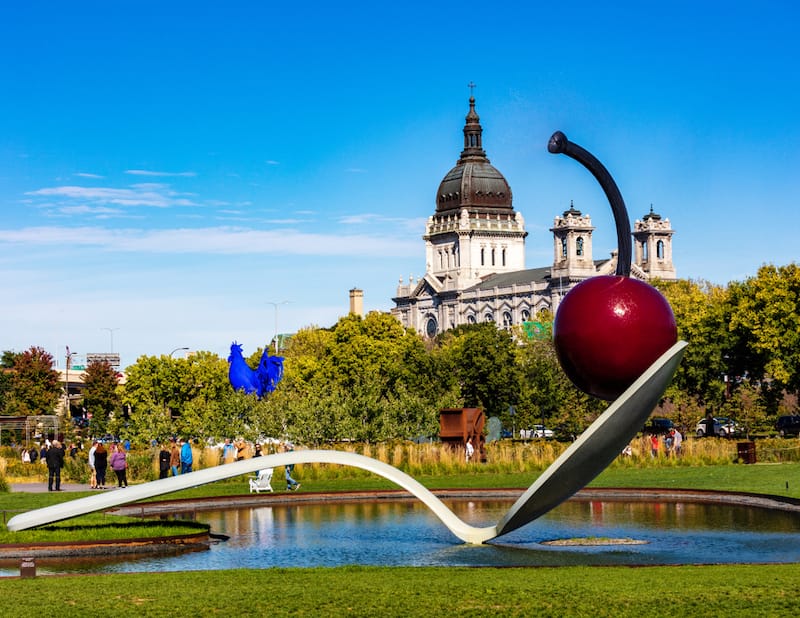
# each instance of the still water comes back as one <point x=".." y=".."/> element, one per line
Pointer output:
<point x="406" y="533"/>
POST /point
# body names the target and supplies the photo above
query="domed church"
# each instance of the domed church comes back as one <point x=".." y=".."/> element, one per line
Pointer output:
<point x="475" y="252"/>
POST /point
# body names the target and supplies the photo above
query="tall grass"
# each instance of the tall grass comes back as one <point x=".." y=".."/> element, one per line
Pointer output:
<point x="435" y="459"/>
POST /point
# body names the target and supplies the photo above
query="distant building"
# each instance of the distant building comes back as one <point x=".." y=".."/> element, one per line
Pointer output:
<point x="475" y="252"/>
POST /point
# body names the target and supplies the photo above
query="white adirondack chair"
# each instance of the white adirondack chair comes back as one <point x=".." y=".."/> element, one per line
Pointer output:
<point x="262" y="482"/>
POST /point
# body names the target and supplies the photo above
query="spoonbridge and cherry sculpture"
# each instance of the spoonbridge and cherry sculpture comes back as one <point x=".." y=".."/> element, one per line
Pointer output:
<point x="616" y="339"/>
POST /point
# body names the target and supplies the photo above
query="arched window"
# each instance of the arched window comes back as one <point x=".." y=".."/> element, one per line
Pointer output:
<point x="431" y="327"/>
<point x="504" y="257"/>
<point x="660" y="249"/>
<point x="507" y="321"/>
<point x="471" y="319"/>
<point x="644" y="251"/>
<point x="526" y="315"/>
<point x="492" y="257"/>
<point x="564" y="247"/>
<point x="488" y="317"/>
<point x="579" y="246"/>
<point x="483" y="256"/>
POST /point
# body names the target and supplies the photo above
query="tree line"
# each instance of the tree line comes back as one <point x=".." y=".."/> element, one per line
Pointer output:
<point x="369" y="379"/>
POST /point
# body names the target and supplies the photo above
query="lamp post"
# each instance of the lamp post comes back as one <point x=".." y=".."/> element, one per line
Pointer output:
<point x="111" y="334"/>
<point x="176" y="350"/>
<point x="274" y="304"/>
<point x="66" y="380"/>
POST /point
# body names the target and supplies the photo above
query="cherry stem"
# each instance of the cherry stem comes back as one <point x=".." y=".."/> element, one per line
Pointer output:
<point x="559" y="144"/>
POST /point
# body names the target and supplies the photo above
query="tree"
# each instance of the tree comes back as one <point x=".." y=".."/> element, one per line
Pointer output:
<point x="100" y="396"/>
<point x="35" y="387"/>
<point x="702" y="314"/>
<point x="478" y="360"/>
<point x="7" y="362"/>
<point x="765" y="320"/>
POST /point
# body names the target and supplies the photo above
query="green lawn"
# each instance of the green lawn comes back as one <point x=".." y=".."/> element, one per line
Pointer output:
<point x="765" y="590"/>
<point x="725" y="590"/>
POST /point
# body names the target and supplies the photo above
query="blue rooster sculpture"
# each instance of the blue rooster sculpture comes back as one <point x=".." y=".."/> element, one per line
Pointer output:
<point x="260" y="381"/>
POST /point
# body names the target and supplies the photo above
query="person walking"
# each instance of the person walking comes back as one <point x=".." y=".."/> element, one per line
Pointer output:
<point x="119" y="464"/>
<point x="186" y="456"/>
<point x="92" y="469"/>
<point x="101" y="465"/>
<point x="163" y="462"/>
<point x="470" y="450"/>
<point x="174" y="457"/>
<point x="677" y="442"/>
<point x="291" y="484"/>
<point x="55" y="461"/>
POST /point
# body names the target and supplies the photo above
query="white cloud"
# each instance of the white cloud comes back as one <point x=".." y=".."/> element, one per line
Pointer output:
<point x="155" y="173"/>
<point x="145" y="194"/>
<point x="88" y="175"/>
<point x="214" y="240"/>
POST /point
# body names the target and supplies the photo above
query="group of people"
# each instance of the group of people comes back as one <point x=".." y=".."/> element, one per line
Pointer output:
<point x="673" y="443"/>
<point x="177" y="458"/>
<point x="100" y="458"/>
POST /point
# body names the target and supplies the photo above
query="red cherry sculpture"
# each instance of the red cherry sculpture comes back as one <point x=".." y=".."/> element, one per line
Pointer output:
<point x="609" y="330"/>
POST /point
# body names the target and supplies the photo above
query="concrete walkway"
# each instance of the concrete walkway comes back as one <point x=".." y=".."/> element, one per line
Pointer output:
<point x="41" y="487"/>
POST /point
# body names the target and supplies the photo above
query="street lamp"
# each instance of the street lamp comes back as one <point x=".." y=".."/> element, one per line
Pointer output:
<point x="111" y="334"/>
<point x="274" y="304"/>
<point x="176" y="350"/>
<point x="66" y="380"/>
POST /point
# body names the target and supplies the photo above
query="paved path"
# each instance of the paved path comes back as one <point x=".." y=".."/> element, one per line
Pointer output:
<point x="38" y="488"/>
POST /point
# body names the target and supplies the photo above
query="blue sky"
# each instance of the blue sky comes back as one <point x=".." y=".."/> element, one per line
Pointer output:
<point x="170" y="169"/>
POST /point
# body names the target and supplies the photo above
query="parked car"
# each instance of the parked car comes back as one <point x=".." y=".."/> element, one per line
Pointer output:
<point x="723" y="428"/>
<point x="538" y="431"/>
<point x="658" y="426"/>
<point x="788" y="425"/>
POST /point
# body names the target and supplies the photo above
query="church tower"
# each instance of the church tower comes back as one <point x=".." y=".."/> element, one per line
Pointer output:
<point x="474" y="231"/>
<point x="572" y="247"/>
<point x="652" y="248"/>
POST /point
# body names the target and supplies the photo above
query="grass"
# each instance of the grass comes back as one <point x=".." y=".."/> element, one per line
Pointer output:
<point x="721" y="590"/>
<point x="735" y="590"/>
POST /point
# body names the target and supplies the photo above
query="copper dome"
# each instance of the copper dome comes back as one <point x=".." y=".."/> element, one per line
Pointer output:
<point x="473" y="183"/>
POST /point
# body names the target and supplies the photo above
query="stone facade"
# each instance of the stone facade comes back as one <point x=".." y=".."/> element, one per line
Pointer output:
<point x="475" y="252"/>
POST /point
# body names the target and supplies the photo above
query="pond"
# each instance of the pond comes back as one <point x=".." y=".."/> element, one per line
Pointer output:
<point x="405" y="533"/>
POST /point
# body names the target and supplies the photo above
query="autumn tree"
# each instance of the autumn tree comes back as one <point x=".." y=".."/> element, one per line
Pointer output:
<point x="35" y="387"/>
<point x="100" y="396"/>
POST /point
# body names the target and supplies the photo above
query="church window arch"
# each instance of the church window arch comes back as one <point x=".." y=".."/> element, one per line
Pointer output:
<point x="526" y="315"/>
<point x="471" y="319"/>
<point x="564" y="247"/>
<point x="483" y="256"/>
<point x="488" y="317"/>
<point x="579" y="246"/>
<point x="431" y="327"/>
<point x="644" y="251"/>
<point x="504" y="257"/>
<point x="507" y="320"/>
<point x="492" y="257"/>
<point x="660" y="249"/>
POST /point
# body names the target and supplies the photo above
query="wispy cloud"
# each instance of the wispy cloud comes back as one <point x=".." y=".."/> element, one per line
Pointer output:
<point x="156" y="173"/>
<point x="214" y="240"/>
<point x="375" y="219"/>
<point x="100" y="212"/>
<point x="272" y="162"/>
<point x="146" y="194"/>
<point x="87" y="175"/>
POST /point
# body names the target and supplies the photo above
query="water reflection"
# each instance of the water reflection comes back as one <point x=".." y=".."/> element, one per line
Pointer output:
<point x="406" y="533"/>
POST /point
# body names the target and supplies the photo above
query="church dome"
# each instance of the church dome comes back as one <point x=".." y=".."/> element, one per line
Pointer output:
<point x="474" y="183"/>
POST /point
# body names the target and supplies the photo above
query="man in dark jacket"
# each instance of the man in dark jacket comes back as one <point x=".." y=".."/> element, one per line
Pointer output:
<point x="163" y="462"/>
<point x="55" y="461"/>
